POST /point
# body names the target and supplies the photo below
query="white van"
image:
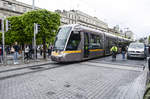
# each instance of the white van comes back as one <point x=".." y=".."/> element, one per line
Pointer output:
<point x="136" y="50"/>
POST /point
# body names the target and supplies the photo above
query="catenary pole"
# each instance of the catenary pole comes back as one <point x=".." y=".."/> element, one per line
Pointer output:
<point x="3" y="40"/>
<point x="33" y="4"/>
<point x="35" y="32"/>
<point x="34" y="39"/>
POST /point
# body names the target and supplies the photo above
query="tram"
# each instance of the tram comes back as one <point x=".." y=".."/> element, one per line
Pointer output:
<point x="76" y="43"/>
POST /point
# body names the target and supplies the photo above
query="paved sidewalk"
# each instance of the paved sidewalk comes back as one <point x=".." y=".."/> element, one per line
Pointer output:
<point x="10" y="65"/>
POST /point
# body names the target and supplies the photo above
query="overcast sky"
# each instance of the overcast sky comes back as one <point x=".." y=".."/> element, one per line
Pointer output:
<point x="132" y="14"/>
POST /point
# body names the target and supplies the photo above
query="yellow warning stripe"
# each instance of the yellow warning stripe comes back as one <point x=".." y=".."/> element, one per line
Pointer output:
<point x="95" y="50"/>
<point x="58" y="53"/>
<point x="78" y="51"/>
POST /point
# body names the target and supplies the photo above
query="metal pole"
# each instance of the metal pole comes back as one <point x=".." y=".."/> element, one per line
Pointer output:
<point x="33" y="4"/>
<point x="3" y="41"/>
<point x="35" y="31"/>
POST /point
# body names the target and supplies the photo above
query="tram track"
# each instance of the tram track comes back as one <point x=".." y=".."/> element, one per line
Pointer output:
<point x="15" y="69"/>
<point x="11" y="73"/>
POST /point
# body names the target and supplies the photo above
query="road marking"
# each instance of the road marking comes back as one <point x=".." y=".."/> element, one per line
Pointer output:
<point x="114" y="66"/>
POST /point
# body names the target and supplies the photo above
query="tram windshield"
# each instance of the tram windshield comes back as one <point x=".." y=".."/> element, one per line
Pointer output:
<point x="61" y="38"/>
<point x="74" y="41"/>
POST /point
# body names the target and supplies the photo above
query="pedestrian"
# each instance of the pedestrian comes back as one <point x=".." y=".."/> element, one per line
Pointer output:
<point x="16" y="51"/>
<point x="41" y="50"/>
<point x="31" y="52"/>
<point x="149" y="50"/>
<point x="114" y="51"/>
<point x="50" y="50"/>
<point x="27" y="52"/>
<point x="123" y="51"/>
<point x="1" y="54"/>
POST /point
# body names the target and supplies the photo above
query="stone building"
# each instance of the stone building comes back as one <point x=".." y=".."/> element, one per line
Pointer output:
<point x="128" y="34"/>
<point x="78" y="17"/>
<point x="13" y="8"/>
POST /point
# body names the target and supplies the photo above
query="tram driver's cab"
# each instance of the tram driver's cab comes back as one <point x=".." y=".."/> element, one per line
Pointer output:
<point x="66" y="47"/>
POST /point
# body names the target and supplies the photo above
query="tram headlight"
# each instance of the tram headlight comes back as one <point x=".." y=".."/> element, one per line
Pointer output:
<point x="59" y="54"/>
<point x="62" y="54"/>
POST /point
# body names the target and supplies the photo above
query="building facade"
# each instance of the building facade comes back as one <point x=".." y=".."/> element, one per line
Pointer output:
<point x="78" y="17"/>
<point x="128" y="34"/>
<point x="13" y="8"/>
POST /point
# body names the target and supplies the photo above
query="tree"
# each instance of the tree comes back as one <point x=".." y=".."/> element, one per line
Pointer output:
<point x="15" y="33"/>
<point x="22" y="28"/>
<point x="49" y="23"/>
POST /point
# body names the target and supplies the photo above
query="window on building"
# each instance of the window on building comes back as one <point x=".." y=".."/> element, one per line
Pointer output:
<point x="5" y="4"/>
<point x="79" y="18"/>
<point x="13" y="7"/>
<point x="24" y="9"/>
<point x="86" y="20"/>
<point x="9" y="5"/>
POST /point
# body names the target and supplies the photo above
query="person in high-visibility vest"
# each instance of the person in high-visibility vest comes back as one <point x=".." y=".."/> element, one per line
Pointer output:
<point x="114" y="48"/>
<point x="114" y="51"/>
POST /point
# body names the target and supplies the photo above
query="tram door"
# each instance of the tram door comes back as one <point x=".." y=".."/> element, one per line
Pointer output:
<point x="86" y="45"/>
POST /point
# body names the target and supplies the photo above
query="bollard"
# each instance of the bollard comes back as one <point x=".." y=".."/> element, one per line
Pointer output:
<point x="148" y="63"/>
<point x="23" y="56"/>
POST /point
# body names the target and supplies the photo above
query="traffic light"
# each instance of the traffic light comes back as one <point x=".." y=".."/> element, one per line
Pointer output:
<point x="38" y="28"/>
<point x="8" y="25"/>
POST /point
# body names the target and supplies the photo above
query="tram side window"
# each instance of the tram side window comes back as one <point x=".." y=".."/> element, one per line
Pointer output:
<point x="99" y="41"/>
<point x="95" y="42"/>
<point x="74" y="41"/>
<point x="109" y="43"/>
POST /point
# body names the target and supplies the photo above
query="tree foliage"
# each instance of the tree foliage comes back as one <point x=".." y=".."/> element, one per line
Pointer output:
<point x="22" y="27"/>
<point x="49" y="23"/>
<point x="16" y="31"/>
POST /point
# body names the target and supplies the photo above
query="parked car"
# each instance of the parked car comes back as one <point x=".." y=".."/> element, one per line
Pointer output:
<point x="136" y="50"/>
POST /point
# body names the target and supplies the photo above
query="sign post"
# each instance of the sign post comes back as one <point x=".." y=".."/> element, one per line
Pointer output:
<point x="35" y="32"/>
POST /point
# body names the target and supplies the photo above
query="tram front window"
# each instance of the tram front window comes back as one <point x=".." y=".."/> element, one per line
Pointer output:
<point x="61" y="38"/>
<point x="74" y="41"/>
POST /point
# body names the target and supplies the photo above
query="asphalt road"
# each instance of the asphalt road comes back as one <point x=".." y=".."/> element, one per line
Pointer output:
<point x="93" y="79"/>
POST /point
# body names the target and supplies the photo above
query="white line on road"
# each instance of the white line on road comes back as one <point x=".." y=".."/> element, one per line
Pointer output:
<point x="114" y="66"/>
